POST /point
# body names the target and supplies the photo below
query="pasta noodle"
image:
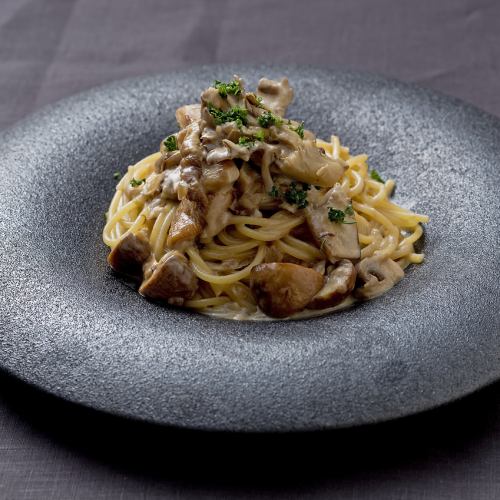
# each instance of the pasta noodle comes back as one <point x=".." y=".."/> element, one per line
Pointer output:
<point x="223" y="262"/>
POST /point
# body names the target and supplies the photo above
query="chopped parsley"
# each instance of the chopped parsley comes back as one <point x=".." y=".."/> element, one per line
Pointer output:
<point x="336" y="215"/>
<point x="235" y="114"/>
<point x="296" y="196"/>
<point x="376" y="177"/>
<point x="349" y="210"/>
<point x="246" y="141"/>
<point x="137" y="182"/>
<point x="117" y="175"/>
<point x="299" y="129"/>
<point x="249" y="141"/>
<point x="259" y="135"/>
<point x="275" y="192"/>
<point x="267" y="119"/>
<point x="293" y="195"/>
<point x="170" y="143"/>
<point x="259" y="101"/>
<point x="233" y="88"/>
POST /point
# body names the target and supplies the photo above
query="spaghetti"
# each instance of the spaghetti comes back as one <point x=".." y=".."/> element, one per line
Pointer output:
<point x="243" y="212"/>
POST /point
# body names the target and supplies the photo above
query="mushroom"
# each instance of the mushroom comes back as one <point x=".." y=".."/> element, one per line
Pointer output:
<point x="129" y="254"/>
<point x="187" y="224"/>
<point x="338" y="240"/>
<point x="188" y="114"/>
<point x="171" y="279"/>
<point x="276" y="95"/>
<point x="339" y="284"/>
<point x="282" y="289"/>
<point x="217" y="214"/>
<point x="250" y="190"/>
<point x="379" y="274"/>
<point x="308" y="164"/>
<point x="167" y="159"/>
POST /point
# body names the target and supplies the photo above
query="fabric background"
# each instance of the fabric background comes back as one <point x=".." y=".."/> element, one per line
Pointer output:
<point x="50" y="49"/>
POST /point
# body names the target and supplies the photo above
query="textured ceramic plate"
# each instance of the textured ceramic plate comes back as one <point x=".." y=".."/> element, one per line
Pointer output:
<point x="69" y="326"/>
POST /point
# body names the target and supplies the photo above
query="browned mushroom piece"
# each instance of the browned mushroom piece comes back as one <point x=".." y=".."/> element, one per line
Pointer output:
<point x="220" y="175"/>
<point x="282" y="289"/>
<point x="217" y="214"/>
<point x="187" y="224"/>
<point x="171" y="280"/>
<point x="379" y="274"/>
<point x="337" y="240"/>
<point x="188" y="114"/>
<point x="339" y="284"/>
<point x="129" y="254"/>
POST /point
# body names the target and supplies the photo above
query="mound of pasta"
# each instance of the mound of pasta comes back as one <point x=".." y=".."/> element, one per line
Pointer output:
<point x="245" y="214"/>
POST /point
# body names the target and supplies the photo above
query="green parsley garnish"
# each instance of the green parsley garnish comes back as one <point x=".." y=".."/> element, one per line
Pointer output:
<point x="117" y="175"/>
<point x="233" y="88"/>
<point x="170" y="143"/>
<point x="259" y="101"/>
<point x="376" y="177"/>
<point x="275" y="192"/>
<point x="137" y="182"/>
<point x="267" y="119"/>
<point x="293" y="195"/>
<point x="299" y="129"/>
<point x="246" y="141"/>
<point x="260" y="136"/>
<point x="296" y="196"/>
<point x="336" y="215"/>
<point x="236" y="114"/>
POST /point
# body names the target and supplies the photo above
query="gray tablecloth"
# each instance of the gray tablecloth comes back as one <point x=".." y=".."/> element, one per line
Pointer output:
<point x="53" y="48"/>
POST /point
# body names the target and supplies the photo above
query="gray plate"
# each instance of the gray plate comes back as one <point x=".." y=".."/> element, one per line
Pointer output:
<point x="72" y="328"/>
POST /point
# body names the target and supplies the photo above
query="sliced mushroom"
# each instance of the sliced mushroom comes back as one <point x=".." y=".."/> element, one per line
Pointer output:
<point x="129" y="254"/>
<point x="217" y="176"/>
<point x="171" y="280"/>
<point x="337" y="240"/>
<point x="339" y="284"/>
<point x="308" y="164"/>
<point x="379" y="274"/>
<point x="186" y="225"/>
<point x="228" y="151"/>
<point x="276" y="95"/>
<point x="168" y="159"/>
<point x="217" y="214"/>
<point x="188" y="114"/>
<point x="282" y="289"/>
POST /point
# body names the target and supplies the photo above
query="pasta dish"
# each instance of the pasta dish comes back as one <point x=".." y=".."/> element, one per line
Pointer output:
<point x="245" y="214"/>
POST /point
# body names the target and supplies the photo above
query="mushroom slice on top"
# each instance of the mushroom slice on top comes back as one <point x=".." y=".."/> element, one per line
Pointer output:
<point x="379" y="275"/>
<point x="282" y="289"/>
<point x="339" y="284"/>
<point x="171" y="280"/>
<point x="338" y="240"/>
<point x="275" y="95"/>
<point x="129" y="254"/>
<point x="308" y="164"/>
<point x="188" y="114"/>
